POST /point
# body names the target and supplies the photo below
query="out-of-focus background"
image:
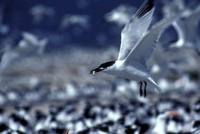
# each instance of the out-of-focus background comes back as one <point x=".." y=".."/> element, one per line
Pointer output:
<point x="47" y="49"/>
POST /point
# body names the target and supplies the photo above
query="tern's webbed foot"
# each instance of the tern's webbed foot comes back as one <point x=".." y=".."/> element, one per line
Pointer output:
<point x="145" y="88"/>
<point x="142" y="89"/>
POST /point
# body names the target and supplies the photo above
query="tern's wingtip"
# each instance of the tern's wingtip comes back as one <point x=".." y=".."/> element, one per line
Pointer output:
<point x="147" y="6"/>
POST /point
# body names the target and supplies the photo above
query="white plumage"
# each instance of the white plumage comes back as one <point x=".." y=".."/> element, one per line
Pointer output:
<point x="137" y="46"/>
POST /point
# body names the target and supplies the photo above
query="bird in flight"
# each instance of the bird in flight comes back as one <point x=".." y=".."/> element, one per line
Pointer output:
<point x="137" y="46"/>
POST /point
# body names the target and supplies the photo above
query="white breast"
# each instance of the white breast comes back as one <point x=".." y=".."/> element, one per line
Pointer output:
<point x="119" y="64"/>
<point x="127" y="72"/>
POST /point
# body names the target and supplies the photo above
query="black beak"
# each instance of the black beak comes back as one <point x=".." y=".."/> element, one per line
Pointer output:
<point x="93" y="72"/>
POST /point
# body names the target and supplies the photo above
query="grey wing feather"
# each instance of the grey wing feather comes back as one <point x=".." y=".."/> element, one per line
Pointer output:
<point x="135" y="29"/>
<point x="145" y="47"/>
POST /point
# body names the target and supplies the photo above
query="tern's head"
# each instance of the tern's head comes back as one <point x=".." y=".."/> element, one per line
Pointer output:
<point x="103" y="67"/>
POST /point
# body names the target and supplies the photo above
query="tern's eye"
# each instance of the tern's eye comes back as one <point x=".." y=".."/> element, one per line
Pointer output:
<point x="101" y="68"/>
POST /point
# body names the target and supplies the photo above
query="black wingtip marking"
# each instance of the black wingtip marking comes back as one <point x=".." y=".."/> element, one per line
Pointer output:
<point x="145" y="8"/>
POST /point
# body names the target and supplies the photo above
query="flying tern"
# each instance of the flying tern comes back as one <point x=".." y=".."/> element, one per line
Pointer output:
<point x="29" y="45"/>
<point x="30" y="42"/>
<point x="137" y="46"/>
<point x="186" y="26"/>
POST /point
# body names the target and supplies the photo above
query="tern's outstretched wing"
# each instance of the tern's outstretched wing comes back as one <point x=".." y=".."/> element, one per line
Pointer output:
<point x="144" y="48"/>
<point x="135" y="28"/>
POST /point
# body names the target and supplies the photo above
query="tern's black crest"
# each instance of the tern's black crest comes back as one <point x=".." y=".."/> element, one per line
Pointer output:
<point x="107" y="64"/>
<point x="147" y="6"/>
<point x="102" y="67"/>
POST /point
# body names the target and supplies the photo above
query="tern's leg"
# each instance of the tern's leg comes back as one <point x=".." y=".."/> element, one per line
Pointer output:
<point x="141" y="92"/>
<point x="145" y="88"/>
